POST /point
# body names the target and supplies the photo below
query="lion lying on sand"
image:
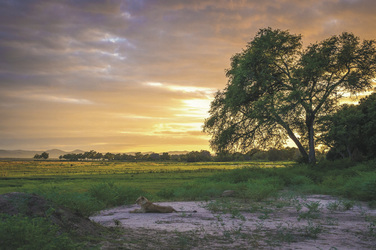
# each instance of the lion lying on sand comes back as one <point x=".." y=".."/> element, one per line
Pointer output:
<point x="149" y="207"/>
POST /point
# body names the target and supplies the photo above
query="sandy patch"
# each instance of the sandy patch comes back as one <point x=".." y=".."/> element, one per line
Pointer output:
<point x="313" y="222"/>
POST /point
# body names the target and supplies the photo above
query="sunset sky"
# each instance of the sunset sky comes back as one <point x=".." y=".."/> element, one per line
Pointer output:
<point x="137" y="75"/>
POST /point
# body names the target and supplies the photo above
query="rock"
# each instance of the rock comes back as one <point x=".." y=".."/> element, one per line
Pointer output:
<point x="33" y="205"/>
<point x="228" y="193"/>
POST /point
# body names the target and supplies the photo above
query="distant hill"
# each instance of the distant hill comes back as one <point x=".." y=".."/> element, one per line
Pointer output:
<point x="24" y="154"/>
<point x="151" y="152"/>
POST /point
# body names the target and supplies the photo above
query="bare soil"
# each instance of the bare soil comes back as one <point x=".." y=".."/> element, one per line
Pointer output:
<point x="312" y="222"/>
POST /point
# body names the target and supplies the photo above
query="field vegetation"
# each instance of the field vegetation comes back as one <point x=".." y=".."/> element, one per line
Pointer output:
<point x="88" y="187"/>
<point x="99" y="181"/>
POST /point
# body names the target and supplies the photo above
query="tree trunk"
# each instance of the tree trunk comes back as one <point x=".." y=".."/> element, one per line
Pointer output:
<point x="302" y="150"/>
<point x="311" y="142"/>
<point x="292" y="136"/>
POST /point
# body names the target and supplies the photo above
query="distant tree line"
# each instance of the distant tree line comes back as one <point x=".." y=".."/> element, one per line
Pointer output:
<point x="285" y="154"/>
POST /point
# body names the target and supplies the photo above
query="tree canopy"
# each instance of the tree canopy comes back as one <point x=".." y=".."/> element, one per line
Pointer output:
<point x="277" y="89"/>
<point x="44" y="155"/>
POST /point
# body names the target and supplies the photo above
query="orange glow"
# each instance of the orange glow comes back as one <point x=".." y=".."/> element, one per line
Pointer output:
<point x="127" y="76"/>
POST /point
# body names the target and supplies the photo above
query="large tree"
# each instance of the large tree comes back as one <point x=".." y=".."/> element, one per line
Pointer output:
<point x="277" y="89"/>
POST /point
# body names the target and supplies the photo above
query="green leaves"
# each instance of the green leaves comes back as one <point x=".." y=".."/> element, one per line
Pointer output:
<point x="276" y="88"/>
<point x="351" y="131"/>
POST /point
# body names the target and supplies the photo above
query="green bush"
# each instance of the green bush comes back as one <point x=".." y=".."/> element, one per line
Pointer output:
<point x="19" y="232"/>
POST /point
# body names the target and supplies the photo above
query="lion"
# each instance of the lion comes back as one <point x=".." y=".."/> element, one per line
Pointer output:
<point x="149" y="207"/>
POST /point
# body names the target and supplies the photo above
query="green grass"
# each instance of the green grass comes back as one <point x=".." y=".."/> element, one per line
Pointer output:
<point x="45" y="169"/>
<point x="80" y="176"/>
<point x="90" y="186"/>
<point x="87" y="187"/>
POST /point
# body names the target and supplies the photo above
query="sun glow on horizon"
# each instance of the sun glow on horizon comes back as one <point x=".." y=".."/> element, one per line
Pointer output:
<point x="198" y="108"/>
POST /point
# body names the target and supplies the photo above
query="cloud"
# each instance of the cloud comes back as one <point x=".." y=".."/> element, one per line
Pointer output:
<point x="81" y="73"/>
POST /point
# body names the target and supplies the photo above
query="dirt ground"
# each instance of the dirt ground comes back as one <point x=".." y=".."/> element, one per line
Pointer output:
<point x="290" y="222"/>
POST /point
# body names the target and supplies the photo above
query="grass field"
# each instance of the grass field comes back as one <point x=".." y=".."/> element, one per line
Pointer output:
<point x="88" y="187"/>
<point x="80" y="176"/>
<point x="94" y="185"/>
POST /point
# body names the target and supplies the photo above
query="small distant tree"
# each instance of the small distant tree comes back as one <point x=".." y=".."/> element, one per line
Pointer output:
<point x="109" y="156"/>
<point x="154" y="156"/>
<point x="195" y="156"/>
<point x="138" y="156"/>
<point x="205" y="155"/>
<point x="98" y="156"/>
<point x="165" y="157"/>
<point x="44" y="156"/>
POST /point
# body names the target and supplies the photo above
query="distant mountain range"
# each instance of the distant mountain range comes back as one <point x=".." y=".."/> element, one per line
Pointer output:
<point x="53" y="153"/>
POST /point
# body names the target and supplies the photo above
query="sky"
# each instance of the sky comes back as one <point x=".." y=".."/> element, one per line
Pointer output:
<point x="137" y="75"/>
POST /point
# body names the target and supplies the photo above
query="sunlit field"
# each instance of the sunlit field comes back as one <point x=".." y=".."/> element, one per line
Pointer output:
<point x="62" y="168"/>
<point x="94" y="185"/>
<point x="80" y="176"/>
